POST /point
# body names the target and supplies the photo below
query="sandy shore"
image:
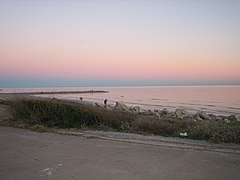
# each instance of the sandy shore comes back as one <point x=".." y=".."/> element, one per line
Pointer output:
<point x="8" y="96"/>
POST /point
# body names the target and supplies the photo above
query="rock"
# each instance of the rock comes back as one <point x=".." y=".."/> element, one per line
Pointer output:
<point x="150" y="113"/>
<point x="197" y="118"/>
<point x="213" y="116"/>
<point x="121" y="106"/>
<point x="164" y="111"/>
<point x="181" y="113"/>
<point x="219" y="118"/>
<point x="234" y="117"/>
<point x="202" y="115"/>
<point x="237" y="117"/>
<point x="223" y="117"/>
<point x="188" y="117"/>
<point x="157" y="114"/>
<point x="135" y="109"/>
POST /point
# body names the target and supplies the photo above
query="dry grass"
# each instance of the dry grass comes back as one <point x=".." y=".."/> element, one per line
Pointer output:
<point x="41" y="114"/>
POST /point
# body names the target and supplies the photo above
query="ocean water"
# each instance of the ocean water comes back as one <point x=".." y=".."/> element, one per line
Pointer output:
<point x="223" y="100"/>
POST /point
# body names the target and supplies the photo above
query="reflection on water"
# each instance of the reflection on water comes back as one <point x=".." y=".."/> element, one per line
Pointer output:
<point x="212" y="99"/>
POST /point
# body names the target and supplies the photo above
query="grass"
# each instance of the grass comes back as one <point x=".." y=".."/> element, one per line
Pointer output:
<point x="42" y="114"/>
<point x="164" y="126"/>
<point x="4" y="102"/>
<point x="52" y="114"/>
<point x="216" y="131"/>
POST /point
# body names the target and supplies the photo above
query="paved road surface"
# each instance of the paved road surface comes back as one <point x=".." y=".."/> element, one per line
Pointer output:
<point x="29" y="155"/>
<point x="4" y="112"/>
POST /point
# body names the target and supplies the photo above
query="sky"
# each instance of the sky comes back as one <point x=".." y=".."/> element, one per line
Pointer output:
<point x="119" y="42"/>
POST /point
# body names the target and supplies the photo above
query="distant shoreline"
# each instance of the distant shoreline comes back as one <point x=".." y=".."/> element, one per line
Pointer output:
<point x="8" y="96"/>
<point x="56" y="92"/>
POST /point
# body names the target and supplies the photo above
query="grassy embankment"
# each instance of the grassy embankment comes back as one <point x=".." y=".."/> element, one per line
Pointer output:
<point x="41" y="114"/>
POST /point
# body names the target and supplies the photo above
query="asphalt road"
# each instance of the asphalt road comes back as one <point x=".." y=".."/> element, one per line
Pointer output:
<point x="4" y="112"/>
<point x="29" y="155"/>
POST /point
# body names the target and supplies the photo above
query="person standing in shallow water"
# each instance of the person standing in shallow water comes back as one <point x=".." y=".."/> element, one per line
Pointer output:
<point x="105" y="102"/>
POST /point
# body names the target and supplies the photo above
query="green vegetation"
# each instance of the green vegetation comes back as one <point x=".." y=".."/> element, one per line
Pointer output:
<point x="166" y="126"/>
<point x="41" y="114"/>
<point x="216" y="131"/>
<point x="52" y="114"/>
<point x="4" y="102"/>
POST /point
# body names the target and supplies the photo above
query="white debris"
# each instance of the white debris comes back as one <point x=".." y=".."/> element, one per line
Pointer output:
<point x="183" y="134"/>
<point x="46" y="169"/>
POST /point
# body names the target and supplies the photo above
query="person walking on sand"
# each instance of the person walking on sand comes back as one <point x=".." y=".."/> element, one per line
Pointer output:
<point x="105" y="102"/>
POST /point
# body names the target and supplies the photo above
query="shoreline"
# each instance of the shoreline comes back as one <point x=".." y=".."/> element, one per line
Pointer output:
<point x="41" y="113"/>
<point x="214" y="100"/>
<point x="111" y="104"/>
<point x="145" y="107"/>
<point x="179" y="112"/>
<point x="9" y="96"/>
<point x="55" y="92"/>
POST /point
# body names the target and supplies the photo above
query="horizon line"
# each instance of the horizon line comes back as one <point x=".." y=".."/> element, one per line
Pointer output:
<point x="123" y="85"/>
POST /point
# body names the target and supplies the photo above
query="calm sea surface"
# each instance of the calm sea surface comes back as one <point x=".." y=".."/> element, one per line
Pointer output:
<point x="211" y="99"/>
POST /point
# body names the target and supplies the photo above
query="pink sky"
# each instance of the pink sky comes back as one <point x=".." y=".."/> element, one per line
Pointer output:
<point x="155" y="41"/>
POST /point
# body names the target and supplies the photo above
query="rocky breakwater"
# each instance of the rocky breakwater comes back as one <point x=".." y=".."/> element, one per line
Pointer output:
<point x="179" y="113"/>
<point x="120" y="106"/>
<point x="182" y="113"/>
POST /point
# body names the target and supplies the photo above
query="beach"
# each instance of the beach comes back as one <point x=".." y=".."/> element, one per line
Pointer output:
<point x="219" y="100"/>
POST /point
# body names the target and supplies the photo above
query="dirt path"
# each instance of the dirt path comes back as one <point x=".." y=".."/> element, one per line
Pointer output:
<point x="170" y="142"/>
<point x="29" y="155"/>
